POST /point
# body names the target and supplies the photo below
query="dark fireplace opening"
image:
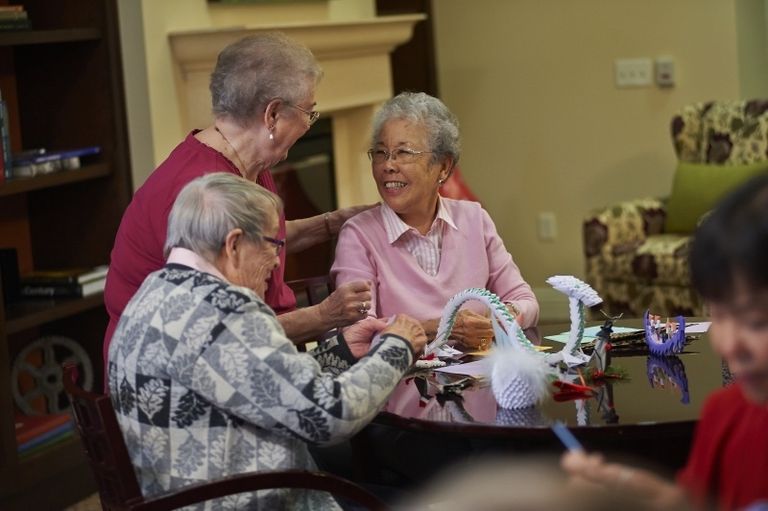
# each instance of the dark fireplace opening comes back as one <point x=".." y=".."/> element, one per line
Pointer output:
<point x="306" y="183"/>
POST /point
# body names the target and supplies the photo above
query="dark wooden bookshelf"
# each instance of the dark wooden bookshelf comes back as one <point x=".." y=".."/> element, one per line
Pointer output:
<point x="63" y="86"/>
<point x="62" y="177"/>
<point x="64" y="454"/>
<point x="31" y="313"/>
<point x="22" y="37"/>
<point x="62" y="468"/>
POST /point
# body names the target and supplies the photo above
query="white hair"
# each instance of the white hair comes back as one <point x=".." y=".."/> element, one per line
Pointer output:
<point x="209" y="207"/>
<point x="441" y="125"/>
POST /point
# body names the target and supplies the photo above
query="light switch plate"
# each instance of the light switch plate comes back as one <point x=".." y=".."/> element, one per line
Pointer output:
<point x="633" y="72"/>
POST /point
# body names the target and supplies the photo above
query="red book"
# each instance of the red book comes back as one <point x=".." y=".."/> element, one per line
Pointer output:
<point x="31" y="426"/>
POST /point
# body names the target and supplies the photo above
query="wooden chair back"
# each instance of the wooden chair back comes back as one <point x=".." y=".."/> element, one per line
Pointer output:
<point x="119" y="488"/>
<point x="104" y="445"/>
<point x="312" y="290"/>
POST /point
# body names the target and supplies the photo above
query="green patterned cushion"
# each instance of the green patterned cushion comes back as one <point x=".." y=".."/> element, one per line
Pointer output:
<point x="697" y="187"/>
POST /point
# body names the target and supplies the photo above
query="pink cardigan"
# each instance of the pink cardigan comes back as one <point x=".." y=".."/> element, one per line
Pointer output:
<point x="472" y="255"/>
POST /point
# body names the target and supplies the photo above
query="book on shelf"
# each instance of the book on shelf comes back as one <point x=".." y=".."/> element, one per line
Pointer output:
<point x="30" y="427"/>
<point x="47" y="438"/>
<point x="36" y="162"/>
<point x="7" y="24"/>
<point x="14" y="14"/>
<point x="13" y="17"/>
<point x="5" y="140"/>
<point x="31" y="451"/>
<point x="66" y="275"/>
<point x="71" y="290"/>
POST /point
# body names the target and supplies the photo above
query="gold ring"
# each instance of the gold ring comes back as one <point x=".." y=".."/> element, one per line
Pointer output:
<point x="483" y="344"/>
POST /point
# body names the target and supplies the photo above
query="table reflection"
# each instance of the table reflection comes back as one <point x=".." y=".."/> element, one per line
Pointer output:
<point x="642" y="397"/>
<point x="668" y="371"/>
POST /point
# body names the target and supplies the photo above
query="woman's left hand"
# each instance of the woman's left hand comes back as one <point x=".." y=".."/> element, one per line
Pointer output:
<point x="359" y="335"/>
<point x="473" y="330"/>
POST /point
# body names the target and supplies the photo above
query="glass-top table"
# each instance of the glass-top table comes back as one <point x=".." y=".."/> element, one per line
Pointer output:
<point x="650" y="414"/>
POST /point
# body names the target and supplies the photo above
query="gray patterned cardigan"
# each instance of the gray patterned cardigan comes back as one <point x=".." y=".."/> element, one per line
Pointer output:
<point x="205" y="384"/>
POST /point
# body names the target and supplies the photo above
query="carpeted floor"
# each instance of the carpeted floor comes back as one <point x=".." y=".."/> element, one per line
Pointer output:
<point x="92" y="503"/>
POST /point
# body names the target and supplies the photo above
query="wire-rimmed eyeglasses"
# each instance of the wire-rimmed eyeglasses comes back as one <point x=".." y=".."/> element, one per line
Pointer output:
<point x="279" y="244"/>
<point x="312" y="115"/>
<point x="379" y="156"/>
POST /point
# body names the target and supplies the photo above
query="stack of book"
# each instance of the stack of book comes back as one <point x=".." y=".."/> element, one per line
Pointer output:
<point x="13" y="17"/>
<point x="67" y="283"/>
<point x="42" y="161"/>
<point x="37" y="432"/>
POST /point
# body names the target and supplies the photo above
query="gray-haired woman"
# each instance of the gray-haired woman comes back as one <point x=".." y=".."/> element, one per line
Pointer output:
<point x="263" y="92"/>
<point x="420" y="249"/>
<point x="205" y="382"/>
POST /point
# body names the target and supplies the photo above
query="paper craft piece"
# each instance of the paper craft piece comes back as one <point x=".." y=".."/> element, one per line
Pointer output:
<point x="664" y="338"/>
<point x="590" y="334"/>
<point x="579" y="294"/>
<point x="485" y="353"/>
<point x="697" y="328"/>
<point x="519" y="373"/>
<point x="479" y="368"/>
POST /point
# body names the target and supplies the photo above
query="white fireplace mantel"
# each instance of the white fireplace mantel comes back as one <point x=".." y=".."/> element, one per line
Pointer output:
<point x="357" y="78"/>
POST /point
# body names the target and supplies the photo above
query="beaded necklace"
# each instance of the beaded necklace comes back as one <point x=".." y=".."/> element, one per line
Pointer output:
<point x="241" y="167"/>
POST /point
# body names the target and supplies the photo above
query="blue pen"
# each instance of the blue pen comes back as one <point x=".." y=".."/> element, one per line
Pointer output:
<point x="565" y="436"/>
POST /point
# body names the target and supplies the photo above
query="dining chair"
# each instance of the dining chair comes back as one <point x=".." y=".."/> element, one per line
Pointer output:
<point x="118" y="486"/>
<point x="311" y="290"/>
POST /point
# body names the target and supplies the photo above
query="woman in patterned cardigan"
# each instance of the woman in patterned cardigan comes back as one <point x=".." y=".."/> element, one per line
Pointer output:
<point x="202" y="377"/>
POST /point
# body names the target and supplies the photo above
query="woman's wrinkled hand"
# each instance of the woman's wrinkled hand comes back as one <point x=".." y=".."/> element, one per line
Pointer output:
<point x="472" y="330"/>
<point x="409" y="329"/>
<point x="591" y="471"/>
<point x="348" y="304"/>
<point x="359" y="335"/>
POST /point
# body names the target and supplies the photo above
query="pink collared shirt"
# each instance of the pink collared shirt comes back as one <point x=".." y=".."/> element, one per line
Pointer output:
<point x="186" y="257"/>
<point x="424" y="247"/>
<point x="471" y="255"/>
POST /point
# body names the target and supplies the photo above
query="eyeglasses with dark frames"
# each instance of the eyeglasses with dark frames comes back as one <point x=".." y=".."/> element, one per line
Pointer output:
<point x="379" y="156"/>
<point x="313" y="115"/>
<point x="279" y="244"/>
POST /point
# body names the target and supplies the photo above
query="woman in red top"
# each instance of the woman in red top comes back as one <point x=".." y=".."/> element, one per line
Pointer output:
<point x="728" y="462"/>
<point x="263" y="101"/>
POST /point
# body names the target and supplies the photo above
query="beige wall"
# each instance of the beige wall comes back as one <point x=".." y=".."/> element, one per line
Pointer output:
<point x="544" y="127"/>
<point x="163" y="16"/>
<point x="751" y="23"/>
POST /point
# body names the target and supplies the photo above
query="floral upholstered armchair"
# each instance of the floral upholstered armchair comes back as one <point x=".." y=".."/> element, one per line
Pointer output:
<point x="633" y="260"/>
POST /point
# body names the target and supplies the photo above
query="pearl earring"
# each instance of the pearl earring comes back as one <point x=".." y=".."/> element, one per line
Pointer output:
<point x="271" y="136"/>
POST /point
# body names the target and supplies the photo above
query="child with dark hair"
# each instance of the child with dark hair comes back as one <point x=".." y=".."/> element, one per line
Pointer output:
<point x="729" y="458"/>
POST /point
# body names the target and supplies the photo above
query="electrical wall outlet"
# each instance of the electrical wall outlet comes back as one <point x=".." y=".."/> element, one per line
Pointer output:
<point x="633" y="72"/>
<point x="547" y="226"/>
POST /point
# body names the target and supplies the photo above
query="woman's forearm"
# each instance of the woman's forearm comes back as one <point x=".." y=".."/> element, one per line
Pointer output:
<point x="306" y="232"/>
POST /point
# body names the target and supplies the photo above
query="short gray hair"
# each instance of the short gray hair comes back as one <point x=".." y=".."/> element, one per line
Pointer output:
<point x="208" y="207"/>
<point x="441" y="125"/>
<point x="255" y="70"/>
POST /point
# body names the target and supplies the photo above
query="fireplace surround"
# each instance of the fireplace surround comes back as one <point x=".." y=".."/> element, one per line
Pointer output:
<point x="355" y="58"/>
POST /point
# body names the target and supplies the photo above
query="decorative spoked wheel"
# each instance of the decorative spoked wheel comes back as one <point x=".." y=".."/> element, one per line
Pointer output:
<point x="37" y="376"/>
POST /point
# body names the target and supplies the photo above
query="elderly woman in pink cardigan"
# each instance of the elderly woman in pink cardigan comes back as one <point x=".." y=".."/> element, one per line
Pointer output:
<point x="418" y="249"/>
